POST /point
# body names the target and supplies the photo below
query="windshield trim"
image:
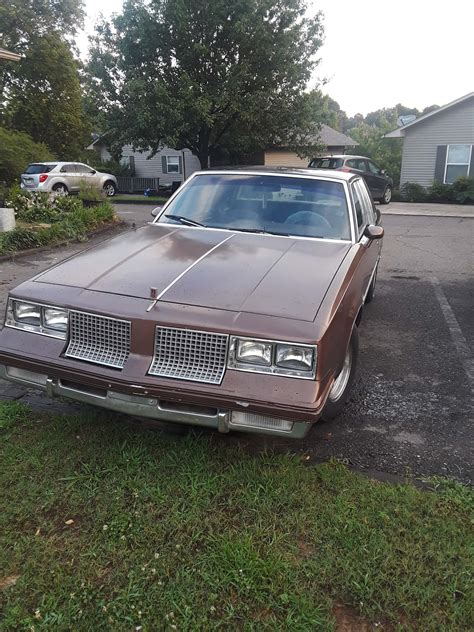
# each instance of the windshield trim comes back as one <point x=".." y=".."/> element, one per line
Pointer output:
<point x="329" y="178"/>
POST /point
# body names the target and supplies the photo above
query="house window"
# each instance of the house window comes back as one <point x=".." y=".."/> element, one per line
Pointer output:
<point x="458" y="160"/>
<point x="172" y="164"/>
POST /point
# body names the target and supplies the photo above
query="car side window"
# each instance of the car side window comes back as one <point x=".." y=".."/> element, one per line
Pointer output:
<point x="68" y="169"/>
<point x="83" y="168"/>
<point x="373" y="168"/>
<point x="356" y="196"/>
<point x="367" y="203"/>
<point x="356" y="163"/>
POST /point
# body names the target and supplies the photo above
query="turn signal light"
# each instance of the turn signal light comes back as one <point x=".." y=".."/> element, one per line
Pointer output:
<point x="43" y="177"/>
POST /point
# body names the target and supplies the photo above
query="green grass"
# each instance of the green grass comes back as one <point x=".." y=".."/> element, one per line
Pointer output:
<point x="139" y="197"/>
<point x="192" y="533"/>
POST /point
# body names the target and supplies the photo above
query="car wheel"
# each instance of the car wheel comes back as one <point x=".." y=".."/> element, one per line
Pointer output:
<point x="110" y="189"/>
<point x="343" y="383"/>
<point x="60" y="189"/>
<point x="387" y="196"/>
<point x="371" y="292"/>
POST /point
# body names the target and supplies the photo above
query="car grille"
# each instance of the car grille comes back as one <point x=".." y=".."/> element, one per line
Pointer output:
<point x="186" y="354"/>
<point x="98" y="339"/>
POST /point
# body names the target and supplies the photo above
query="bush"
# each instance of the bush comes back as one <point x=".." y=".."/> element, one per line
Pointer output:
<point x="37" y="207"/>
<point x="460" y="192"/>
<point x="413" y="192"/>
<point x="88" y="193"/>
<point x="463" y="191"/>
<point x="73" y="222"/>
<point x="17" y="150"/>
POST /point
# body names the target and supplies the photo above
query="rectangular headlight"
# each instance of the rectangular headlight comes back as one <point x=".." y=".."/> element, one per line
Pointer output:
<point x="272" y="356"/>
<point x="254" y="352"/>
<point x="55" y="318"/>
<point x="294" y="358"/>
<point x="27" y="313"/>
<point x="37" y="318"/>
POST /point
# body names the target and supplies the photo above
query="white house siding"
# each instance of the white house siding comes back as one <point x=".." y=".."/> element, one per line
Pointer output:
<point x="153" y="167"/>
<point x="452" y="126"/>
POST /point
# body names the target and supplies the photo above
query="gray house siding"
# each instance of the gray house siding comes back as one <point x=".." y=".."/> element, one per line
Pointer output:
<point x="421" y="141"/>
<point x="156" y="167"/>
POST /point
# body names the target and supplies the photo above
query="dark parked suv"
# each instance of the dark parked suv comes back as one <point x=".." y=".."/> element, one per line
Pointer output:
<point x="379" y="183"/>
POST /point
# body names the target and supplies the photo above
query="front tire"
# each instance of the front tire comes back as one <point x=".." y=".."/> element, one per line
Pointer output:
<point x="342" y="385"/>
<point x="387" y="196"/>
<point x="110" y="189"/>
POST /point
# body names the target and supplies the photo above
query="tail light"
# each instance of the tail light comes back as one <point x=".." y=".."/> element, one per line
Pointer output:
<point x="43" y="177"/>
<point x="344" y="169"/>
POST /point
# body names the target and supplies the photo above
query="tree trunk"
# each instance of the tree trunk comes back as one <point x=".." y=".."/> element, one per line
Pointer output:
<point x="203" y="152"/>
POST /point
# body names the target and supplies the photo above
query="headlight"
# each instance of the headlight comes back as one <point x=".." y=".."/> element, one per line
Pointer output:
<point x="294" y="357"/>
<point x="55" y="318"/>
<point x="40" y="319"/>
<point x="268" y="356"/>
<point x="254" y="352"/>
<point x="27" y="313"/>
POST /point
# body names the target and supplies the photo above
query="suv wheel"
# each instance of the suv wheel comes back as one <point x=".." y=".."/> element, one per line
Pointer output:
<point x="387" y="196"/>
<point x="110" y="189"/>
<point x="60" y="189"/>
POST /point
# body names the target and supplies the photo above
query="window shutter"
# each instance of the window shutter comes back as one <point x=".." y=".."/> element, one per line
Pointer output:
<point x="440" y="164"/>
<point x="164" y="164"/>
<point x="471" y="168"/>
<point x="180" y="164"/>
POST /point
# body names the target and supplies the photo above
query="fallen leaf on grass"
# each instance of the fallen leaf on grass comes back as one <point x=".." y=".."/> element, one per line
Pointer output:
<point x="70" y="521"/>
<point x="8" y="581"/>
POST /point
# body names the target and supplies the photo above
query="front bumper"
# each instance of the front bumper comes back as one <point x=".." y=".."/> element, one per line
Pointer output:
<point x="155" y="408"/>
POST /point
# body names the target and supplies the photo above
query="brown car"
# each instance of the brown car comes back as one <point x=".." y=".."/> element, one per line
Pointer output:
<point x="236" y="308"/>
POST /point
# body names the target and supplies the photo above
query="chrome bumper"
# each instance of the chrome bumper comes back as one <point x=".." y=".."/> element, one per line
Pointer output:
<point x="149" y="407"/>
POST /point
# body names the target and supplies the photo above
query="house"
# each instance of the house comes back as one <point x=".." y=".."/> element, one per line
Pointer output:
<point x="169" y="165"/>
<point x="335" y="142"/>
<point x="438" y="146"/>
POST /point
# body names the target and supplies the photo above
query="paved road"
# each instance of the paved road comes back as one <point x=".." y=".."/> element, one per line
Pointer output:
<point x="411" y="411"/>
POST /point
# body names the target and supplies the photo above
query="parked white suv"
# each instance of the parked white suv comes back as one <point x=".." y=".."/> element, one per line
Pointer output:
<point x="66" y="177"/>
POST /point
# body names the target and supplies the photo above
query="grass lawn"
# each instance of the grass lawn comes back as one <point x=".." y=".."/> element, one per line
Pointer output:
<point x="139" y="197"/>
<point x="108" y="527"/>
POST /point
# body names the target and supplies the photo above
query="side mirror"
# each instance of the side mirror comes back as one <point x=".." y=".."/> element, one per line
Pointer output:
<point x="94" y="172"/>
<point x="374" y="232"/>
<point x="156" y="211"/>
<point x="383" y="172"/>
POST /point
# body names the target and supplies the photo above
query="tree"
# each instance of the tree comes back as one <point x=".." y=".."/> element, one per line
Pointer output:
<point x="45" y="98"/>
<point x="16" y="151"/>
<point x="190" y="73"/>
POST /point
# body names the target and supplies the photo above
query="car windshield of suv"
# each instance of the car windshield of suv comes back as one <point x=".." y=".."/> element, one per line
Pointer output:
<point x="290" y="206"/>
<point x="37" y="168"/>
<point x="326" y="163"/>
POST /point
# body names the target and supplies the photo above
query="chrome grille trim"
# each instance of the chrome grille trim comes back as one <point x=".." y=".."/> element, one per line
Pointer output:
<point x="98" y="339"/>
<point x="189" y="354"/>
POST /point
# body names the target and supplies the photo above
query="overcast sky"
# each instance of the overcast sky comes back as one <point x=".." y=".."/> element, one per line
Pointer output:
<point x="379" y="53"/>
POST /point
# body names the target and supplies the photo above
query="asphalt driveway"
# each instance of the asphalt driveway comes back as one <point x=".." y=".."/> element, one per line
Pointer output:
<point x="412" y="408"/>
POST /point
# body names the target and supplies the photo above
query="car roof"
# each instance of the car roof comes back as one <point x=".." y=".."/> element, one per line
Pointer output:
<point x="342" y="156"/>
<point x="291" y="171"/>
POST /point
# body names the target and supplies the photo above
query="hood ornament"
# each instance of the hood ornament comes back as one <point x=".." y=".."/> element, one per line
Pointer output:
<point x="154" y="298"/>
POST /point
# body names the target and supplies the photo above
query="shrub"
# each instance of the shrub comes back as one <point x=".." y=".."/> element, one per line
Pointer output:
<point x="439" y="192"/>
<point x="463" y="191"/>
<point x="20" y="239"/>
<point x="37" y="207"/>
<point x="88" y="193"/>
<point x="413" y="192"/>
<point x="17" y="149"/>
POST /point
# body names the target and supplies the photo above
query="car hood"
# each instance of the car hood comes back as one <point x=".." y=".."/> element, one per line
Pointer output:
<point x="241" y="272"/>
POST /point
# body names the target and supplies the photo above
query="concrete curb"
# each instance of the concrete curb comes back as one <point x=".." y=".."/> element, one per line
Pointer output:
<point x="432" y="214"/>
<point x="59" y="244"/>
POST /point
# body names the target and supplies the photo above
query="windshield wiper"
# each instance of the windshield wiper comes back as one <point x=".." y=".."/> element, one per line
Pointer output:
<point x="185" y="220"/>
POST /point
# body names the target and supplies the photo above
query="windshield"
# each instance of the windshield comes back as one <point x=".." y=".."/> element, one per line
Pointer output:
<point x="304" y="207"/>
<point x="326" y="163"/>
<point x="37" y="168"/>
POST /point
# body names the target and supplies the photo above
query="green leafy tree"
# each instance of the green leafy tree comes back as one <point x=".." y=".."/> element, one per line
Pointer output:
<point x="200" y="75"/>
<point x="16" y="151"/>
<point x="45" y="98"/>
